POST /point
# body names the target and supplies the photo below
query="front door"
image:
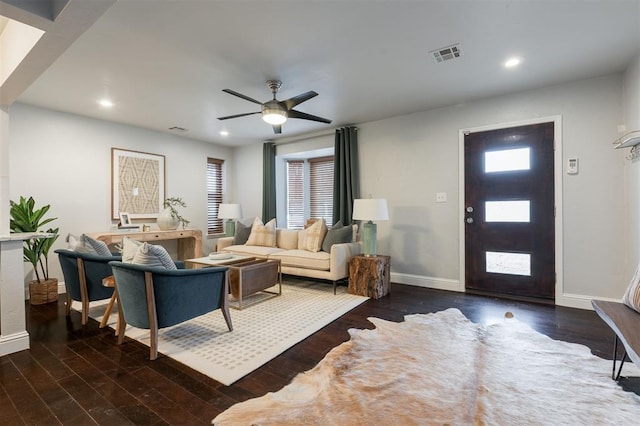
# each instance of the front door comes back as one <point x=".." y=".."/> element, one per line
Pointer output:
<point x="509" y="211"/>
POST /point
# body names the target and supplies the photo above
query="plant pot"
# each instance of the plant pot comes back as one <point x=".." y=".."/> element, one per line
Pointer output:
<point x="166" y="222"/>
<point x="43" y="292"/>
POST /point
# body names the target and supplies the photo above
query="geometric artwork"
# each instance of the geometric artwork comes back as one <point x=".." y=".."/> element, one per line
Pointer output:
<point x="138" y="183"/>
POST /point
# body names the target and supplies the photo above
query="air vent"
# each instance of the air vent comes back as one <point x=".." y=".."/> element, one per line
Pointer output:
<point x="177" y="129"/>
<point x="447" y="53"/>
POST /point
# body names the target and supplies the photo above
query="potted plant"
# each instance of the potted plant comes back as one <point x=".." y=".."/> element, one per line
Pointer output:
<point x="24" y="217"/>
<point x="169" y="218"/>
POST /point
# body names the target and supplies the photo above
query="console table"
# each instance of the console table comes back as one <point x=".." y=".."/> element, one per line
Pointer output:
<point x="189" y="240"/>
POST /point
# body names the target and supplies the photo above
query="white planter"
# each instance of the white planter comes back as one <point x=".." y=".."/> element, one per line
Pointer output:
<point x="166" y="222"/>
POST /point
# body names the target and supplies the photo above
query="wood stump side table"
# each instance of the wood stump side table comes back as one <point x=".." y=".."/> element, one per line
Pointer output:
<point x="369" y="275"/>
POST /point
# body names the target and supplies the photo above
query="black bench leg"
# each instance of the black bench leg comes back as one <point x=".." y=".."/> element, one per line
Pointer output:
<point x="615" y="376"/>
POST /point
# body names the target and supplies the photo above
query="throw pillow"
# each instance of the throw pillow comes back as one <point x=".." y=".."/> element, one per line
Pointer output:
<point x="100" y="247"/>
<point x="315" y="236"/>
<point x="302" y="239"/>
<point x="337" y="235"/>
<point x="87" y="245"/>
<point x="262" y="235"/>
<point x="287" y="239"/>
<point x="153" y="256"/>
<point x="242" y="233"/>
<point x="632" y="295"/>
<point x="129" y="249"/>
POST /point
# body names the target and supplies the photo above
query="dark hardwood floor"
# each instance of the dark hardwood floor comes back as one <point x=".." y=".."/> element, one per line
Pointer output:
<point x="76" y="375"/>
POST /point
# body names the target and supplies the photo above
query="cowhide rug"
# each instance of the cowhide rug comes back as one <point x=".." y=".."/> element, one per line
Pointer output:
<point x="442" y="369"/>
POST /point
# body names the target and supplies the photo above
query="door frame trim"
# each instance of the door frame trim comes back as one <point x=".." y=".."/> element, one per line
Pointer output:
<point x="557" y="183"/>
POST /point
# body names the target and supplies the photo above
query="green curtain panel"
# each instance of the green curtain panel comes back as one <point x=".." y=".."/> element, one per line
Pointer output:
<point x="346" y="174"/>
<point x="268" y="181"/>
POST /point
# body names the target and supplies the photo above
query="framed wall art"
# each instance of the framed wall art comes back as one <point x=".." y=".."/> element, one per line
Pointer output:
<point x="137" y="184"/>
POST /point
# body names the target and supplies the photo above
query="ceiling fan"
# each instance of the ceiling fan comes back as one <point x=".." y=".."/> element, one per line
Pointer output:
<point x="276" y="112"/>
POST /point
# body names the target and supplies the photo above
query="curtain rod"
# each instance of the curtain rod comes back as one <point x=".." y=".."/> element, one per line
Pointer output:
<point x="300" y="138"/>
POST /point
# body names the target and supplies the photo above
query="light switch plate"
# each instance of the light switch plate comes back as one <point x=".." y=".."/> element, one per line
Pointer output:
<point x="441" y="197"/>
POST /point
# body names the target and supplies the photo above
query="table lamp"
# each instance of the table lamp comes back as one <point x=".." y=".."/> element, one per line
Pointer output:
<point x="230" y="212"/>
<point x="370" y="209"/>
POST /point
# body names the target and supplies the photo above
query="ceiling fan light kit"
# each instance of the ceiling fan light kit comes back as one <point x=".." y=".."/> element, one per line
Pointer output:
<point x="277" y="112"/>
<point x="273" y="113"/>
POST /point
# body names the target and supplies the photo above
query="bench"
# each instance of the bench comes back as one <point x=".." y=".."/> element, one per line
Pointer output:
<point x="625" y="323"/>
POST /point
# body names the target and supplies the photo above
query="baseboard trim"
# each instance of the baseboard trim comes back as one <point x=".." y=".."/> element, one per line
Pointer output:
<point x="579" y="301"/>
<point x="428" y="282"/>
<point x="15" y="342"/>
<point x="567" y="300"/>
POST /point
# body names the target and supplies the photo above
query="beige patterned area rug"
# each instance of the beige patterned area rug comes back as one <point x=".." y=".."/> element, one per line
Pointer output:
<point x="260" y="332"/>
<point x="442" y="369"/>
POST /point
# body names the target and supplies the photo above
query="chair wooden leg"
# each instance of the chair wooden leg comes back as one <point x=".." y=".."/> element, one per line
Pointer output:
<point x="153" y="315"/>
<point x="227" y="316"/>
<point x="120" y="326"/>
<point x="153" y="344"/>
<point x="69" y="301"/>
<point x="85" y="312"/>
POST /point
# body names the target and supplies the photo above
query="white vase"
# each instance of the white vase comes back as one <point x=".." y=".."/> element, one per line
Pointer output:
<point x="166" y="222"/>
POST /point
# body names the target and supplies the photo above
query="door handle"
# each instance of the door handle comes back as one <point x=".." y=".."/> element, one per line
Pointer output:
<point x="469" y="220"/>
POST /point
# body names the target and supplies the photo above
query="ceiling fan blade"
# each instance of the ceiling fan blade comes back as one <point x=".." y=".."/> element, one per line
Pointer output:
<point x="238" y="115"/>
<point x="297" y="114"/>
<point x="277" y="129"/>
<point x="240" y="95"/>
<point x="296" y="100"/>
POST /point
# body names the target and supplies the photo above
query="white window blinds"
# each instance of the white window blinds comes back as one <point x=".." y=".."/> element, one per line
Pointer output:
<point x="321" y="188"/>
<point x="295" y="194"/>
<point x="214" y="195"/>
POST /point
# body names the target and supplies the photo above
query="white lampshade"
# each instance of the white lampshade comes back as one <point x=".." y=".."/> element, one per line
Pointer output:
<point x="229" y="211"/>
<point x="370" y="209"/>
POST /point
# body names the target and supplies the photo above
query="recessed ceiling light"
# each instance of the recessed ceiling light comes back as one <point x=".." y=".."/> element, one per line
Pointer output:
<point x="224" y="133"/>
<point x="105" y="103"/>
<point x="512" y="62"/>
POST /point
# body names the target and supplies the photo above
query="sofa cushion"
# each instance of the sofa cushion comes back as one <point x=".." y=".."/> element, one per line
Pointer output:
<point x="315" y="236"/>
<point x="287" y="239"/>
<point x="306" y="259"/>
<point x="262" y="234"/>
<point x="242" y="233"/>
<point x="336" y="235"/>
<point x="257" y="251"/>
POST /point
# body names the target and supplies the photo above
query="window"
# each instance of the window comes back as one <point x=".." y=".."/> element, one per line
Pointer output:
<point x="309" y="190"/>
<point x="214" y="195"/>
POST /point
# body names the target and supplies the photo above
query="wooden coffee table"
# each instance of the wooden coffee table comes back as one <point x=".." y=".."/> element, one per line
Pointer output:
<point x="246" y="275"/>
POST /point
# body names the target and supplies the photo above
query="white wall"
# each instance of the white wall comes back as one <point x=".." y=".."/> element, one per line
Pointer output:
<point x="631" y="97"/>
<point x="65" y="160"/>
<point x="408" y="159"/>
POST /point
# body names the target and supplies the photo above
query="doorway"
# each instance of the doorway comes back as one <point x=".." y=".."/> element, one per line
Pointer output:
<point x="509" y="211"/>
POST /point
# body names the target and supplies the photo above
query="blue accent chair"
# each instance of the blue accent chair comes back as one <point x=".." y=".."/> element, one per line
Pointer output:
<point x="153" y="298"/>
<point x="83" y="274"/>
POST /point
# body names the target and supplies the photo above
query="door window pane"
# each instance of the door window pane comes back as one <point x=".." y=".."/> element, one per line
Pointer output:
<point x="507" y="211"/>
<point x="507" y="160"/>
<point x="509" y="263"/>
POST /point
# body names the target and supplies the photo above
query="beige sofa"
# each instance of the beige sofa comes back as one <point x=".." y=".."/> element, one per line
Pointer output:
<point x="333" y="266"/>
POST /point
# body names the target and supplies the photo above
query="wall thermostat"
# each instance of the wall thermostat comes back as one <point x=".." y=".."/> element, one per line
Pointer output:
<point x="572" y="166"/>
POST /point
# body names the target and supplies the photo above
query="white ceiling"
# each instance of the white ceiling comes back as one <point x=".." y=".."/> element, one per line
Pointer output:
<point x="165" y="63"/>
